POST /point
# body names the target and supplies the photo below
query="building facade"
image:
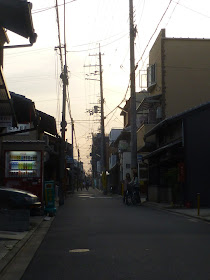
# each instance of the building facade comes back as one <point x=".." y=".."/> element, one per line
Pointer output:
<point x="177" y="81"/>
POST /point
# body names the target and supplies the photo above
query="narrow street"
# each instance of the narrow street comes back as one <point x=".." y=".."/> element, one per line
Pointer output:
<point x="120" y="242"/>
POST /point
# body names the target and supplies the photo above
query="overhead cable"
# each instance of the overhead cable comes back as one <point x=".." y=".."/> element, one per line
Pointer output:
<point x="153" y="34"/>
<point x="49" y="8"/>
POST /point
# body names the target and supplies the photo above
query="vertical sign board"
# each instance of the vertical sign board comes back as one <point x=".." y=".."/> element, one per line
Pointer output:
<point x="139" y="158"/>
<point x="49" y="196"/>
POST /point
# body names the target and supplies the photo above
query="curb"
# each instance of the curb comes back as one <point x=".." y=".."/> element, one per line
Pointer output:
<point x="10" y="255"/>
<point x="6" y="261"/>
<point x="151" y="205"/>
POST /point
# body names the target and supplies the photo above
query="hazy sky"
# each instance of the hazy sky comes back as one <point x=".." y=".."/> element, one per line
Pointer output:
<point x="34" y="71"/>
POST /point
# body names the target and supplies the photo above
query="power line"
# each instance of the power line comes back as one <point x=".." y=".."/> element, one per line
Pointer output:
<point x="101" y="46"/>
<point x="49" y="8"/>
<point x="124" y="98"/>
<point x="191" y="9"/>
<point x="97" y="42"/>
<point x="112" y="118"/>
<point x="172" y="12"/>
<point x="27" y="52"/>
<point x="141" y="59"/>
<point x="153" y="34"/>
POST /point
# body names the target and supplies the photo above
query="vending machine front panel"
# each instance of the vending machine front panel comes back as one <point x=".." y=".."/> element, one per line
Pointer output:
<point x="23" y="164"/>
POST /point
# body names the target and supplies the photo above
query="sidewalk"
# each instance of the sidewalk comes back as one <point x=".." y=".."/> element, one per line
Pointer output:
<point x="191" y="212"/>
<point x="11" y="244"/>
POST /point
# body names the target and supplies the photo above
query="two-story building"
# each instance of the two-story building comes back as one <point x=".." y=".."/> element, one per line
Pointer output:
<point x="179" y="163"/>
<point x="178" y="80"/>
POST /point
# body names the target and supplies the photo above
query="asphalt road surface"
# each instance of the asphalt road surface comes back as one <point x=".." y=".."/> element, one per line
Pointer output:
<point x="97" y="237"/>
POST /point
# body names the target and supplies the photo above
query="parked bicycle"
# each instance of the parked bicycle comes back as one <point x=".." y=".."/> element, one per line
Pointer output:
<point x="132" y="195"/>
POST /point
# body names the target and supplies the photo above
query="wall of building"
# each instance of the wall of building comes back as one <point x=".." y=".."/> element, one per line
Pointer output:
<point x="114" y="133"/>
<point x="155" y="57"/>
<point x="197" y="155"/>
<point x="140" y="135"/>
<point x="187" y="70"/>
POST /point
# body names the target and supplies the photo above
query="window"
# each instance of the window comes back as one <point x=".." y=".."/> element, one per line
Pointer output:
<point x="151" y="75"/>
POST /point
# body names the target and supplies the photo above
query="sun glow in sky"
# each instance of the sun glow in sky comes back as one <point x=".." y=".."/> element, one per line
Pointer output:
<point x="34" y="71"/>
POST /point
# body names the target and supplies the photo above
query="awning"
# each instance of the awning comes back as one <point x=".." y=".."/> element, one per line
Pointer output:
<point x="162" y="149"/>
<point x="7" y="114"/>
<point x="148" y="102"/>
<point x="47" y="123"/>
<point x="15" y="15"/>
<point x="24" y="108"/>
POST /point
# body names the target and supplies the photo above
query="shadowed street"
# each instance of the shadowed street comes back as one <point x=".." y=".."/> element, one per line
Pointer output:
<point x="120" y="242"/>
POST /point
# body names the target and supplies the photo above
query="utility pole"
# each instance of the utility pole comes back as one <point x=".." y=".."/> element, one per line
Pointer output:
<point x="64" y="78"/>
<point x="78" y="170"/>
<point x="103" y="147"/>
<point x="72" y="136"/>
<point x="133" y="91"/>
<point x="72" y="141"/>
<point x="103" y="144"/>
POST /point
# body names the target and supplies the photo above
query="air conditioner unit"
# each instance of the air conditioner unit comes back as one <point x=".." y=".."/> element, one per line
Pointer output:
<point x="159" y="112"/>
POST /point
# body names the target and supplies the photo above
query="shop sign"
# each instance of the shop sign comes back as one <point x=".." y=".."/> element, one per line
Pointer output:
<point x="21" y="126"/>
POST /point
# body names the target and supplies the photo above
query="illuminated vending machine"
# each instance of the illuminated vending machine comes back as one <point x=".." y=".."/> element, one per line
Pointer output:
<point x="24" y="169"/>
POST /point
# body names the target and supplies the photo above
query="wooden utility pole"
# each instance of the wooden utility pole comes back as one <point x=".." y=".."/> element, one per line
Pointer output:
<point x="103" y="147"/>
<point x="133" y="90"/>
<point x="72" y="136"/>
<point x="64" y="78"/>
<point x="72" y="141"/>
<point x="103" y="144"/>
